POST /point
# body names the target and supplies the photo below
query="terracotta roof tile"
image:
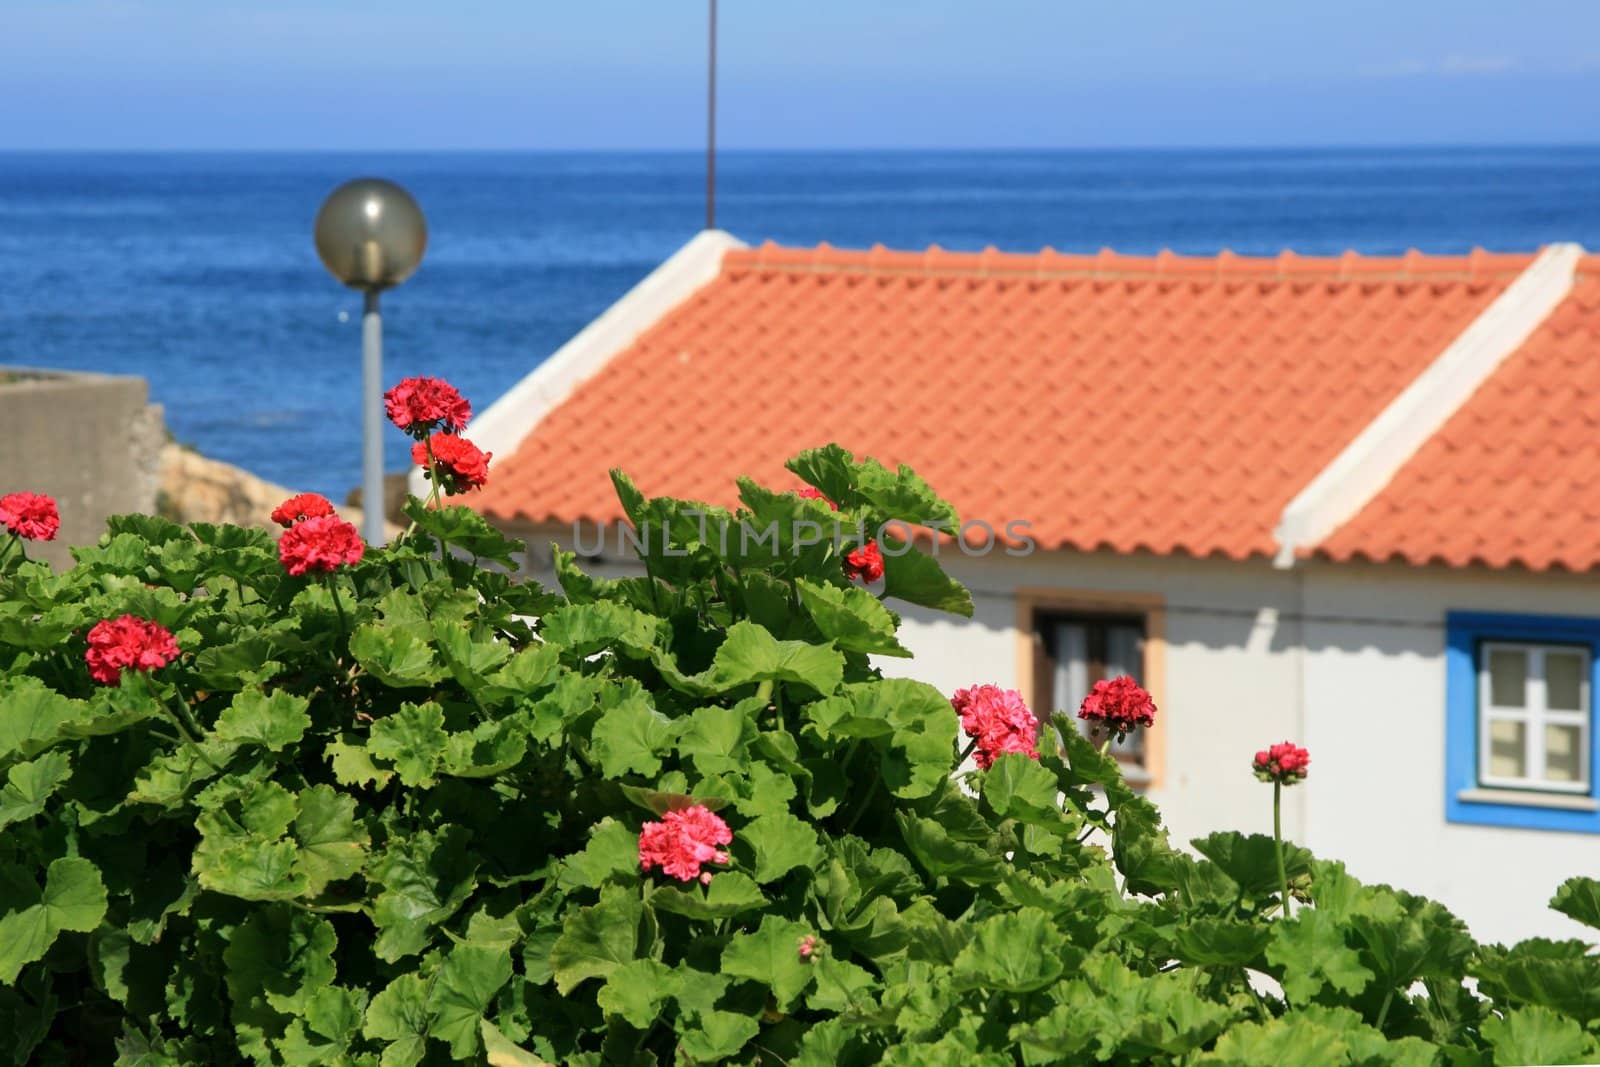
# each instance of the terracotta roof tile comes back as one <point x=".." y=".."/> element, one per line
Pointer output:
<point x="1512" y="478"/>
<point x="1163" y="404"/>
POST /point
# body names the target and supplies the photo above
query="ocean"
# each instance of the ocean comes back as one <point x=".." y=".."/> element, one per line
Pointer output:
<point x="197" y="271"/>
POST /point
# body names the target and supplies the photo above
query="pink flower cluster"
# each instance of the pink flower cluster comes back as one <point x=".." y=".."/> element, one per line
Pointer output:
<point x="865" y="563"/>
<point x="999" y="720"/>
<point x="808" y="947"/>
<point x="683" y="841"/>
<point x="128" y="643"/>
<point x="30" y="516"/>
<point x="1118" y="704"/>
<point x="322" y="543"/>
<point x="1285" y="764"/>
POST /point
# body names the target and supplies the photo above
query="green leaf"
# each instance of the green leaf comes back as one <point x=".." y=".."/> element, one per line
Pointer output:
<point x="470" y="659"/>
<point x="530" y="670"/>
<point x="840" y="985"/>
<point x="425" y="878"/>
<point x="637" y="989"/>
<point x="73" y="899"/>
<point x="1252" y="861"/>
<point x="771" y="956"/>
<point x="751" y="654"/>
<point x="1205" y="942"/>
<point x="719" y="1035"/>
<point x="1538" y="1035"/>
<point x="502" y="1052"/>
<point x="34" y="715"/>
<point x="917" y="578"/>
<point x="274" y="722"/>
<point x="581" y="630"/>
<point x="399" y="1015"/>
<point x="333" y="845"/>
<point x="467" y="530"/>
<point x="1018" y="952"/>
<point x="1018" y="787"/>
<point x="597" y="940"/>
<point x="247" y="866"/>
<point x="730" y="893"/>
<point x="612" y="852"/>
<point x="1579" y="899"/>
<point x="352" y="765"/>
<point x="718" y="739"/>
<point x="29" y="785"/>
<point x="942" y="856"/>
<point x="464" y="988"/>
<point x="1311" y="951"/>
<point x="413" y="739"/>
<point x="490" y="749"/>
<point x="851" y="617"/>
<point x="397" y="657"/>
<point x="779" y="844"/>
<point x="630" y="734"/>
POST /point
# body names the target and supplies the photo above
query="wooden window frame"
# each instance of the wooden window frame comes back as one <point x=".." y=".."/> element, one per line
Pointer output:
<point x="1035" y="605"/>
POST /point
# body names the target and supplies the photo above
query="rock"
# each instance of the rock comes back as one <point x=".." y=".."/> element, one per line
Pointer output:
<point x="194" y="488"/>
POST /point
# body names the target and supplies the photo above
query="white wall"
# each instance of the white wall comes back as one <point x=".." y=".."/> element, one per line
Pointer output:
<point x="1346" y="660"/>
<point x="1375" y="700"/>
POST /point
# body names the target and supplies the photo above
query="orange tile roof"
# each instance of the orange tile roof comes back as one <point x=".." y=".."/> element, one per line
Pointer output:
<point x="1513" y="478"/>
<point x="1166" y="403"/>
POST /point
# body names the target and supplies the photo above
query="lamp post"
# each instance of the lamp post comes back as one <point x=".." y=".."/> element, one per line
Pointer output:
<point x="370" y="235"/>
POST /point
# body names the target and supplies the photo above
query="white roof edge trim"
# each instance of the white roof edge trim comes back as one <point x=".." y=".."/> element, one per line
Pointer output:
<point x="1366" y="465"/>
<point x="503" y="425"/>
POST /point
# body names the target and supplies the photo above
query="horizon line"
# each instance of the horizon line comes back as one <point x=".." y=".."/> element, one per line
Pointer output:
<point x="1369" y="146"/>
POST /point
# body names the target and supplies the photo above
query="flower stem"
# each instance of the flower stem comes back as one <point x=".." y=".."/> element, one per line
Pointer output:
<point x="15" y="540"/>
<point x="181" y="718"/>
<point x="966" y="752"/>
<point x="1383" y="1012"/>
<point x="1277" y="837"/>
<point x="338" y="605"/>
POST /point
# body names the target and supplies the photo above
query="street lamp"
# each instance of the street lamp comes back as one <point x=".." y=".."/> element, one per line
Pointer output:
<point x="370" y="235"/>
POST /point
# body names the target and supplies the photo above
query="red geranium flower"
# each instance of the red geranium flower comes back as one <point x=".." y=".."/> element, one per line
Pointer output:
<point x="128" y="643"/>
<point x="302" y="507"/>
<point x="31" y="516"/>
<point x="999" y="719"/>
<point x="1120" y="704"/>
<point x="683" y="841"/>
<point x="421" y="405"/>
<point x="320" y="543"/>
<point x="461" y="465"/>
<point x="865" y="563"/>
<point x="1285" y="763"/>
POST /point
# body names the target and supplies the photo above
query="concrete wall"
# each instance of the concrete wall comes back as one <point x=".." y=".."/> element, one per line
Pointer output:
<point x="91" y="441"/>
<point x="1347" y="660"/>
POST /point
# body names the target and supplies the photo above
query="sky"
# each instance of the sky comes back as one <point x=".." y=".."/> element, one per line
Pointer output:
<point x="795" y="74"/>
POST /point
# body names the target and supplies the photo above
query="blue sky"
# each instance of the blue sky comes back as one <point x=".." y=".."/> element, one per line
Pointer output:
<point x="543" y="74"/>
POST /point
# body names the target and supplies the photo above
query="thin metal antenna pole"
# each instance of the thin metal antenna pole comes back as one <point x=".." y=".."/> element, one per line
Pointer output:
<point x="372" y="420"/>
<point x="711" y="126"/>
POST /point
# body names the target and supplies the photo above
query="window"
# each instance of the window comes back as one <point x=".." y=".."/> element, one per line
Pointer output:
<point x="1081" y="650"/>
<point x="1533" y="715"/>
<point x="1520" y="732"/>
<point x="1069" y="639"/>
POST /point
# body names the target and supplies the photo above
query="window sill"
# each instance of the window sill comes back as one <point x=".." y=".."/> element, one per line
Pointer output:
<point x="1528" y="799"/>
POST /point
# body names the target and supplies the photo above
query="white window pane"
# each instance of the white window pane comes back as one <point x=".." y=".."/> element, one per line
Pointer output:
<point x="1123" y="645"/>
<point x="1563" y="753"/>
<point x="1072" y="665"/>
<point x="1508" y="746"/>
<point x="1563" y="680"/>
<point x="1508" y="677"/>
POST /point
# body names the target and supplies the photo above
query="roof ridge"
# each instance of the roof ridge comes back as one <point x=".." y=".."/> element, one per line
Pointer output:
<point x="1367" y="463"/>
<point x="1109" y="265"/>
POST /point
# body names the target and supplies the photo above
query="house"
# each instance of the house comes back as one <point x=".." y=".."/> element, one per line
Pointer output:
<point x="1353" y="502"/>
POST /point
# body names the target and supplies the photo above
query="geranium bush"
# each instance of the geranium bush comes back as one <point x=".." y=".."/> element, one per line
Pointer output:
<point x="324" y="803"/>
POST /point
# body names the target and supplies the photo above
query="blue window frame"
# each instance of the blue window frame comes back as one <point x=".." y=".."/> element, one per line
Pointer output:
<point x="1521" y="748"/>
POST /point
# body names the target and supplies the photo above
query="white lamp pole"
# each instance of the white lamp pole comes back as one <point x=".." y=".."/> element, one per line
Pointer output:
<point x="370" y="234"/>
